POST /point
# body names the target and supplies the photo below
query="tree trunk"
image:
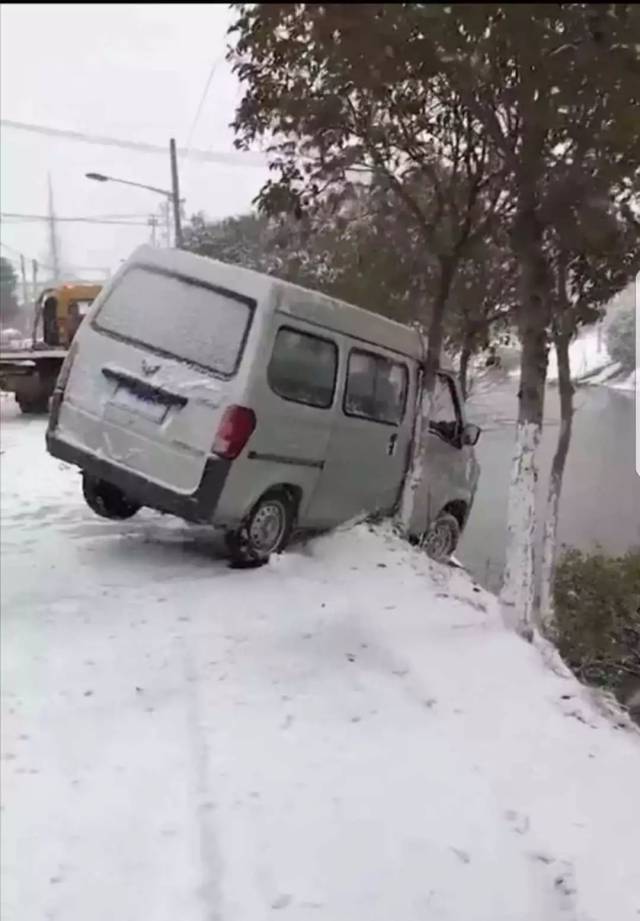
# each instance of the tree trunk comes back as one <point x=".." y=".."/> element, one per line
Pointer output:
<point x="424" y="399"/>
<point x="463" y="371"/>
<point x="546" y="615"/>
<point x="518" y="590"/>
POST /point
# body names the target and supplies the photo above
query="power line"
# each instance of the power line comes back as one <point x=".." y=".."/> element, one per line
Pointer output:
<point x="97" y="217"/>
<point x="201" y="104"/>
<point x="44" y="265"/>
<point x="26" y="218"/>
<point x="229" y="159"/>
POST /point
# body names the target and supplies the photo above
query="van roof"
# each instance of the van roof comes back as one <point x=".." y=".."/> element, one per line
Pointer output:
<point x="311" y="306"/>
<point x="342" y="317"/>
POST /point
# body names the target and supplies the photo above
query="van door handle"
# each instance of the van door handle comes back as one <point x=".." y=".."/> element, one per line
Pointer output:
<point x="391" y="446"/>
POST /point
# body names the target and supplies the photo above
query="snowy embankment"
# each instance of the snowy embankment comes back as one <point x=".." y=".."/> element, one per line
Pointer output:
<point x="590" y="363"/>
<point x="347" y="734"/>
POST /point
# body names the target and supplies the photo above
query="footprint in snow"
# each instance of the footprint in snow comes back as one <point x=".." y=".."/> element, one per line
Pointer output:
<point x="559" y="882"/>
<point x="461" y="855"/>
<point x="519" y="822"/>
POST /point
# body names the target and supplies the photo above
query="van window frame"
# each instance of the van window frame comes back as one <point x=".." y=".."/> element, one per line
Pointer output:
<point x="287" y="327"/>
<point x="248" y="302"/>
<point x="457" y="408"/>
<point x="393" y="361"/>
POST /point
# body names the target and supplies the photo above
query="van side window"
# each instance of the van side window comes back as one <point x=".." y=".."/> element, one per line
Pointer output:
<point x="445" y="420"/>
<point x="376" y="388"/>
<point x="303" y="368"/>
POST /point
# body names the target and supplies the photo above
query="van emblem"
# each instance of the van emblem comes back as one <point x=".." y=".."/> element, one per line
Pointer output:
<point x="148" y="369"/>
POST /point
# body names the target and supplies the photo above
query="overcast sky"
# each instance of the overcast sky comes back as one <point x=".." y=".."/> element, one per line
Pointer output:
<point x="133" y="72"/>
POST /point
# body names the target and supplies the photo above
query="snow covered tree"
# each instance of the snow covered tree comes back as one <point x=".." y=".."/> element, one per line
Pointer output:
<point x="483" y="302"/>
<point x="344" y="252"/>
<point x="337" y="99"/>
<point x="553" y="89"/>
<point x="245" y="240"/>
<point x="536" y="99"/>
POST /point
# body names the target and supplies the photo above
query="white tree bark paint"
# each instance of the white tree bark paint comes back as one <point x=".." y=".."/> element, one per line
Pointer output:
<point x="549" y="547"/>
<point x="545" y="612"/>
<point x="518" y="589"/>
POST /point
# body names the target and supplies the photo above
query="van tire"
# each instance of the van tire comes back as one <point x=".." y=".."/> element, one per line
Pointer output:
<point x="266" y="530"/>
<point x="441" y="537"/>
<point x="107" y="500"/>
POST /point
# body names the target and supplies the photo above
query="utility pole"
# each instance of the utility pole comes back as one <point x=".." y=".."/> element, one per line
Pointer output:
<point x="53" y="241"/>
<point x="175" y="194"/>
<point x="34" y="284"/>
<point x="34" y="279"/>
<point x="25" y="287"/>
<point x="153" y="223"/>
<point x="165" y="213"/>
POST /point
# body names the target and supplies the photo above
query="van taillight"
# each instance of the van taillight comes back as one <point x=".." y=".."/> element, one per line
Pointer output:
<point x="236" y="427"/>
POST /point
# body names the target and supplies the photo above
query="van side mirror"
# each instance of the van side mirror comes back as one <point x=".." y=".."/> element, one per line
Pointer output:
<point x="470" y="434"/>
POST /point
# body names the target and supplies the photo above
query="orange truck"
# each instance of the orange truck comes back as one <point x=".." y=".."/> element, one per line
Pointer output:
<point x="30" y="374"/>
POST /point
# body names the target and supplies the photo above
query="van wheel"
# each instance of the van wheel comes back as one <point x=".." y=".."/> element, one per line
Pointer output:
<point x="106" y="500"/>
<point x="266" y="530"/>
<point x="441" y="537"/>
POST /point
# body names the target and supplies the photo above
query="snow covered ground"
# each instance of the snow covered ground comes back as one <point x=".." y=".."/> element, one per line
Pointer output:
<point x="347" y="734"/>
<point x="590" y="362"/>
<point x="587" y="354"/>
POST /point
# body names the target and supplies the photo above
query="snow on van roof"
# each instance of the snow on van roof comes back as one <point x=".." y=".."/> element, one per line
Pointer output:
<point x="312" y="306"/>
<point x="342" y="317"/>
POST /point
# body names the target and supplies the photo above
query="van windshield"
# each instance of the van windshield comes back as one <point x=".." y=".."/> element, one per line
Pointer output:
<point x="176" y="316"/>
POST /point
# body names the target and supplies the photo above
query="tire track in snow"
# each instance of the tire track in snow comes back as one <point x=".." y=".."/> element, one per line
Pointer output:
<point x="203" y="805"/>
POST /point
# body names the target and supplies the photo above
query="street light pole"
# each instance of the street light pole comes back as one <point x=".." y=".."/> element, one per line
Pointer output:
<point x="100" y="177"/>
<point x="175" y="194"/>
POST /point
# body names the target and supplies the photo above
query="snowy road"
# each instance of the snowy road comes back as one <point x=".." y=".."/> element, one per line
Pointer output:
<point x="345" y="735"/>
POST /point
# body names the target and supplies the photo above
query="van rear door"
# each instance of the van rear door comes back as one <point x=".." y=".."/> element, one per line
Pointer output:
<point x="156" y="367"/>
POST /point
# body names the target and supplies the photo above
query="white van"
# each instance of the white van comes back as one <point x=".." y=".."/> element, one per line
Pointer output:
<point x="229" y="397"/>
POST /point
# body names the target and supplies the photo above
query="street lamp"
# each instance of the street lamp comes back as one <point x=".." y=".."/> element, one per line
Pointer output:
<point x="173" y="196"/>
<point x="100" y="177"/>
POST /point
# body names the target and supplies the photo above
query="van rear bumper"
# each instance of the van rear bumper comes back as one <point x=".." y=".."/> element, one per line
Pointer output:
<point x="197" y="507"/>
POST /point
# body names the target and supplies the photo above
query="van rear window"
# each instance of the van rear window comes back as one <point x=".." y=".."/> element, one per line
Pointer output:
<point x="178" y="317"/>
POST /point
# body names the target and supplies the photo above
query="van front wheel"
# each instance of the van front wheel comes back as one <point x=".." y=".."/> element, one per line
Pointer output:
<point x="107" y="500"/>
<point x="266" y="530"/>
<point x="442" y="536"/>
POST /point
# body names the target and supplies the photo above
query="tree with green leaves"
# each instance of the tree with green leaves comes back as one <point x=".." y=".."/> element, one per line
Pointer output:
<point x="540" y="100"/>
<point x="554" y="91"/>
<point x="332" y="91"/>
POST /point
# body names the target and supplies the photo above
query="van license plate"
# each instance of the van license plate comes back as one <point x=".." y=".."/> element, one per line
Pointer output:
<point x="125" y="399"/>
